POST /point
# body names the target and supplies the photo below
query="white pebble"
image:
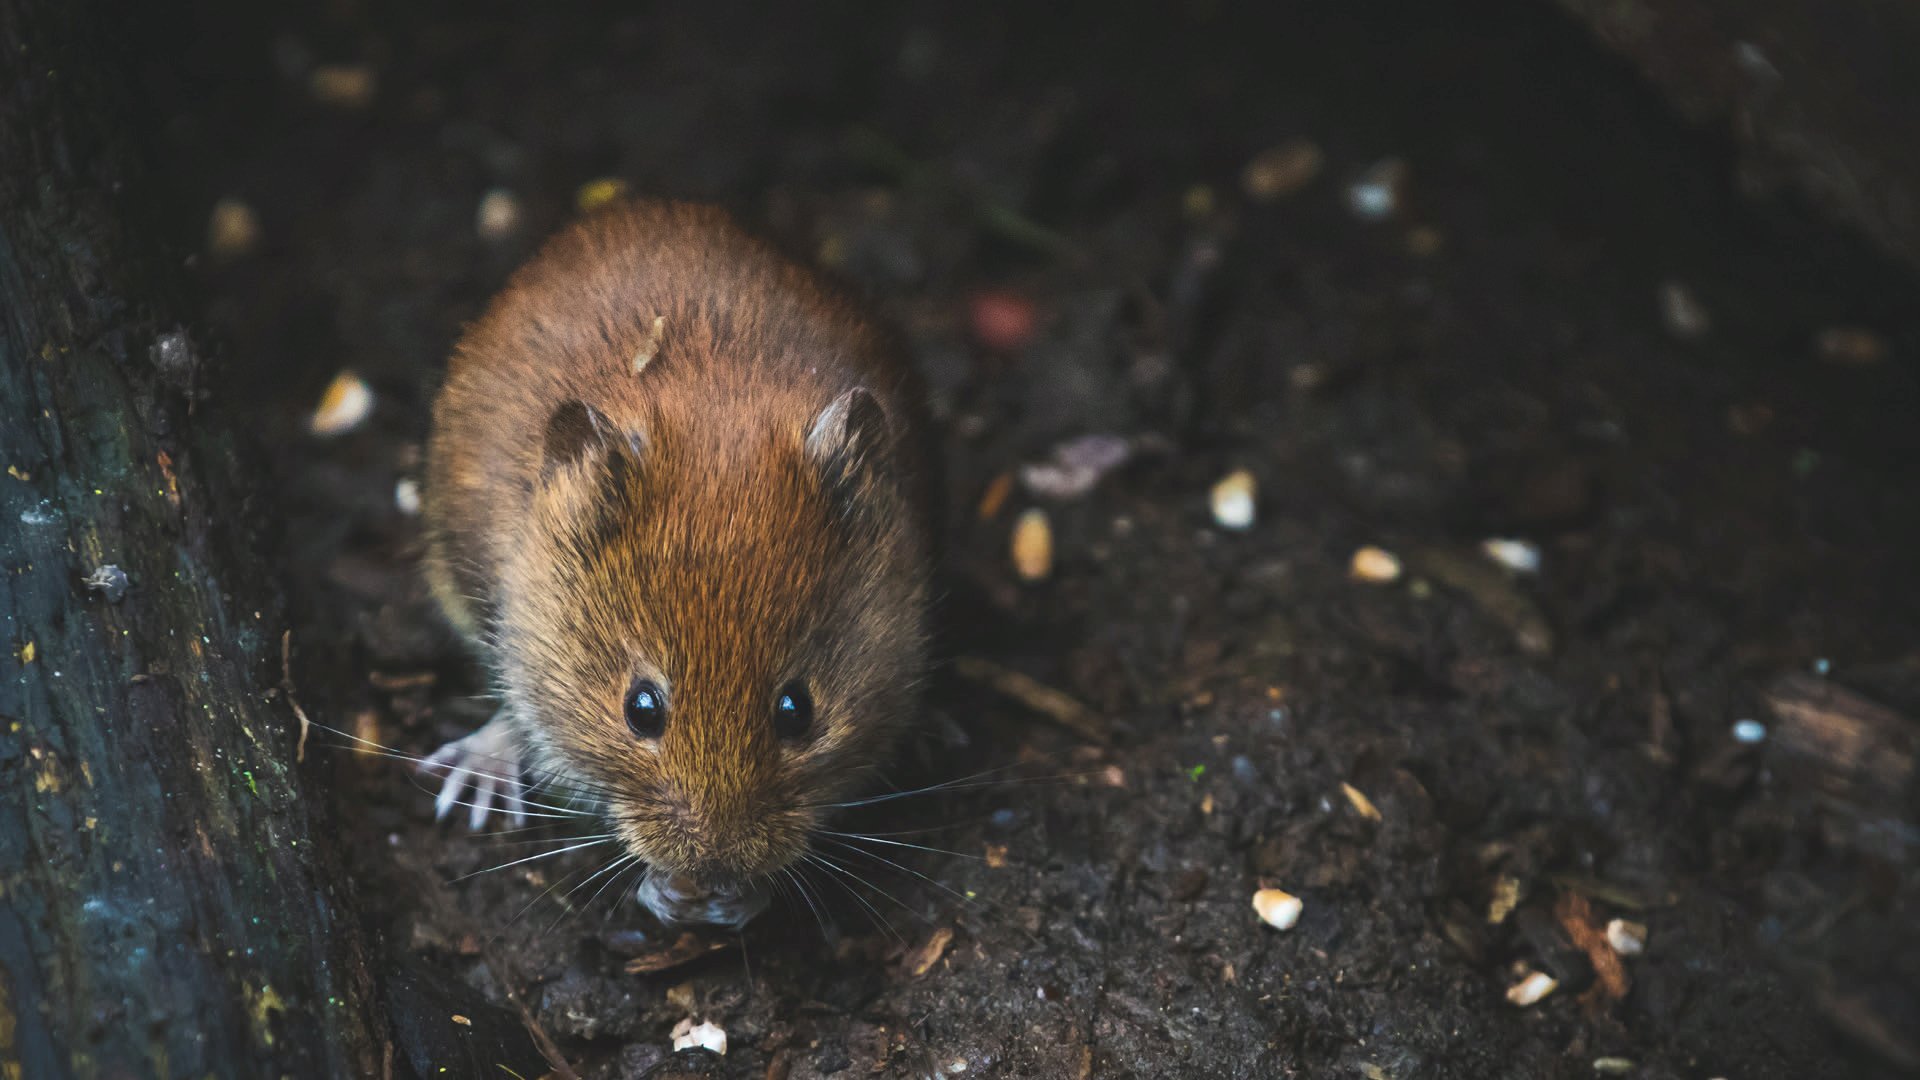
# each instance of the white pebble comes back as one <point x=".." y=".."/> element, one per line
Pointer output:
<point x="1376" y="195"/>
<point x="1519" y="556"/>
<point x="1627" y="938"/>
<point x="706" y="1034"/>
<point x="1278" y="909"/>
<point x="1531" y="989"/>
<point x="346" y="403"/>
<point x="1749" y="731"/>
<point x="1233" y="500"/>
<point x="1376" y="566"/>
<point x="1685" y="316"/>
<point x="406" y="496"/>
<point x="498" y="216"/>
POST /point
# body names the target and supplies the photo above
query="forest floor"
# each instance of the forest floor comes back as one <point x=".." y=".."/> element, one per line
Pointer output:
<point x="1562" y="325"/>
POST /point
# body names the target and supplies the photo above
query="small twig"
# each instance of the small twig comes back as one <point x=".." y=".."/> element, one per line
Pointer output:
<point x="286" y="687"/>
<point x="1056" y="705"/>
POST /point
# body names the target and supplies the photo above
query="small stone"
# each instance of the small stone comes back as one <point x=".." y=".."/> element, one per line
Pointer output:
<point x="1850" y="346"/>
<point x="406" y="496"/>
<point x="1518" y="556"/>
<point x="1374" y="565"/>
<point x="1233" y="500"/>
<point x="1686" y="318"/>
<point x="1033" y="545"/>
<point x="1531" y="989"/>
<point x="1627" y="938"/>
<point x="347" y="401"/>
<point x="1282" y="170"/>
<point x="233" y="230"/>
<point x="109" y="581"/>
<point x="706" y="1035"/>
<point x="498" y="216"/>
<point x="598" y="194"/>
<point x="1749" y="731"/>
<point x="1278" y="909"/>
<point x="344" y="86"/>
<point x="1379" y="192"/>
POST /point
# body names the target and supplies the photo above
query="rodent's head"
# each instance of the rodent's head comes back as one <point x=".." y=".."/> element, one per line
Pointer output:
<point x="715" y="634"/>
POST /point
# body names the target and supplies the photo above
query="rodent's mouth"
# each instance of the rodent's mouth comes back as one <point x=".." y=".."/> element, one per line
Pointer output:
<point x="675" y="899"/>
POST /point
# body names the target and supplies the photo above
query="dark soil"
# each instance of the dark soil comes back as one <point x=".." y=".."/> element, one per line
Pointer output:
<point x="1491" y="362"/>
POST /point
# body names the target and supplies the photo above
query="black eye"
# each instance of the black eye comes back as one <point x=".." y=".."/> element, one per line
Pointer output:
<point x="792" y="711"/>
<point x="646" y="710"/>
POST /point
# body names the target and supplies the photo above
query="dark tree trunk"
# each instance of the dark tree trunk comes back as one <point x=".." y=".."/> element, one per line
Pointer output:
<point x="165" y="906"/>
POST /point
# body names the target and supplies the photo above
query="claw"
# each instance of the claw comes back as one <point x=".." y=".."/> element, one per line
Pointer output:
<point x="484" y="767"/>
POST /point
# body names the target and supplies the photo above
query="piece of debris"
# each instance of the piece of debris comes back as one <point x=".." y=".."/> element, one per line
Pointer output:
<point x="109" y="581"/>
<point x="1506" y="897"/>
<point x="1519" y="556"/>
<point x="994" y="496"/>
<point x="1374" y="565"/>
<point x="498" y="216"/>
<point x="1613" y="1066"/>
<point x="463" y="1021"/>
<point x="343" y="86"/>
<point x="599" y="194"/>
<point x="1575" y="916"/>
<point x="1749" y="731"/>
<point x="705" y="1035"/>
<point x="1530" y="990"/>
<point x="1232" y="499"/>
<point x="1075" y="466"/>
<point x="1494" y="592"/>
<point x="1850" y="346"/>
<point x="1281" y="170"/>
<point x="922" y="959"/>
<point x="1056" y="705"/>
<point x="996" y="856"/>
<point x="649" y="346"/>
<point x="1001" y="320"/>
<point x="406" y="496"/>
<point x="1626" y="937"/>
<point x="1685" y="317"/>
<point x="1379" y="192"/>
<point x="1845" y="746"/>
<point x="347" y="401"/>
<point x="1361" y="804"/>
<point x="679" y="952"/>
<point x="1278" y="909"/>
<point x="1032" y="545"/>
<point x="233" y="230"/>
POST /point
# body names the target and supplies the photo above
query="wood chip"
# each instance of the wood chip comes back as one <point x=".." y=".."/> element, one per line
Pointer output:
<point x="1361" y="804"/>
<point x="1575" y="916"/>
<point x="922" y="959"/>
<point x="683" y="950"/>
<point x="1056" y="705"/>
<point x="1843" y="745"/>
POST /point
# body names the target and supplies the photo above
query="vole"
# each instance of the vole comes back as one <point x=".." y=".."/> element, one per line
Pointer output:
<point x="676" y="500"/>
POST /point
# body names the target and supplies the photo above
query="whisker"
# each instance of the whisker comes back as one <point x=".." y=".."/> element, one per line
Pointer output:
<point x="877" y="839"/>
<point x="851" y="891"/>
<point x="584" y="882"/>
<point x="531" y="858"/>
<point x="908" y="908"/>
<point x="800" y="887"/>
<point x="942" y="886"/>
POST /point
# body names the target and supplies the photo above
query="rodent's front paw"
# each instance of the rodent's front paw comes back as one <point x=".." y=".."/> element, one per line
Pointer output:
<point x="485" y="767"/>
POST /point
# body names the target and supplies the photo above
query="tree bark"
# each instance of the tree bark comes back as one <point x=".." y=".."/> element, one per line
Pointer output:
<point x="166" y="906"/>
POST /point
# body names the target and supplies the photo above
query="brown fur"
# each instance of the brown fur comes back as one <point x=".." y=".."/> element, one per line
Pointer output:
<point x="683" y="527"/>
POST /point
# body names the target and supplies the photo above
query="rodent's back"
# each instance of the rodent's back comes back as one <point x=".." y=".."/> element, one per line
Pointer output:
<point x="745" y="339"/>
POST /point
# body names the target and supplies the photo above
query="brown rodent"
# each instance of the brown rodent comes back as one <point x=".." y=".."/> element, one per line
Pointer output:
<point x="676" y="499"/>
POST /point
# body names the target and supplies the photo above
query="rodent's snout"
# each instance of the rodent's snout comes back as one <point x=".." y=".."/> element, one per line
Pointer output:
<point x="678" y="898"/>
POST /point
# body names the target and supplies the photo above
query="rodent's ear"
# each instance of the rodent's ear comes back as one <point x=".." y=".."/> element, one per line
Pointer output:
<point x="850" y="440"/>
<point x="575" y="431"/>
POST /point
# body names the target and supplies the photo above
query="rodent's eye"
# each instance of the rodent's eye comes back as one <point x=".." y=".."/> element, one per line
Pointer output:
<point x="793" y="711"/>
<point x="646" y="709"/>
